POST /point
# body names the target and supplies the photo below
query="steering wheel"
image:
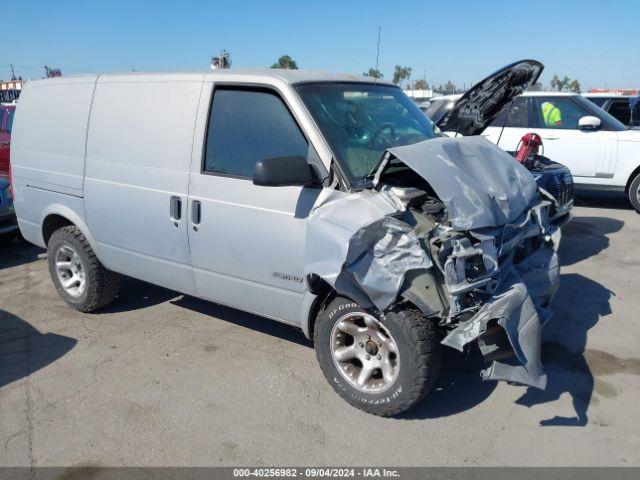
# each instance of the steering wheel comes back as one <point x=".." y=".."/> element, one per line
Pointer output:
<point x="376" y="136"/>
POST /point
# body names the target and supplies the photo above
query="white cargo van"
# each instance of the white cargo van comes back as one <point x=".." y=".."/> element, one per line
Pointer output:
<point x="328" y="202"/>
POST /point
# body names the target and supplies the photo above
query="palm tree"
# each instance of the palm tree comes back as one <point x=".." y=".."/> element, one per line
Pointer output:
<point x="574" y="86"/>
<point x="560" y="85"/>
<point x="401" y="73"/>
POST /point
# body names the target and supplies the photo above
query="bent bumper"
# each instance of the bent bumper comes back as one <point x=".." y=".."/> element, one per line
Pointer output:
<point x="517" y="311"/>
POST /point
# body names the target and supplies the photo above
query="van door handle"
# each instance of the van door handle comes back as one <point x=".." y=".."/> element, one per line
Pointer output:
<point x="551" y="137"/>
<point x="175" y="209"/>
<point x="196" y="208"/>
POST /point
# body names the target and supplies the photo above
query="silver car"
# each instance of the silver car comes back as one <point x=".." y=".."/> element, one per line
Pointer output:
<point x="324" y="201"/>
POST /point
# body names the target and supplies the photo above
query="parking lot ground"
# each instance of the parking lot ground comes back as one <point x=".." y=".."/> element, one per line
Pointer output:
<point x="162" y="379"/>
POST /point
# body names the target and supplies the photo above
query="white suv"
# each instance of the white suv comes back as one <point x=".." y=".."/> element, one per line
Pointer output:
<point x="600" y="151"/>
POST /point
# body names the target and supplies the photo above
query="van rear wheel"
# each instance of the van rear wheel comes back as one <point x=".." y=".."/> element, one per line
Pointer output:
<point x="383" y="365"/>
<point x="81" y="280"/>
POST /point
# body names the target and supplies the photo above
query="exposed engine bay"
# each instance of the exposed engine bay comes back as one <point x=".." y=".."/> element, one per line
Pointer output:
<point x="459" y="229"/>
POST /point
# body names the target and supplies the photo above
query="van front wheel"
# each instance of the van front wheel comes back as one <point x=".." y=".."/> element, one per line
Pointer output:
<point x="81" y="280"/>
<point x="383" y="365"/>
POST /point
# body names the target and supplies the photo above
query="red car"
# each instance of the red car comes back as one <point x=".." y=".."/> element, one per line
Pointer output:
<point x="6" y="121"/>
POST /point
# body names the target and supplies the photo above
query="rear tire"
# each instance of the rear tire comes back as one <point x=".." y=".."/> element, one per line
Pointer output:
<point x="389" y="390"/>
<point x="634" y="193"/>
<point x="81" y="280"/>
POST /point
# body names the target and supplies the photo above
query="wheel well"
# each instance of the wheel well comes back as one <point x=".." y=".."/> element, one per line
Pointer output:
<point x="631" y="177"/>
<point x="52" y="223"/>
<point x="324" y="293"/>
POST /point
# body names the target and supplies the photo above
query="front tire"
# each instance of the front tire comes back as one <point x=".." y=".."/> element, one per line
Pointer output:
<point x="382" y="365"/>
<point x="81" y="280"/>
<point x="634" y="193"/>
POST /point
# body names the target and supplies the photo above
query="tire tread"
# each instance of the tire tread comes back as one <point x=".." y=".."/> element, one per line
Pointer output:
<point x="102" y="284"/>
<point x="634" y="187"/>
<point x="423" y="334"/>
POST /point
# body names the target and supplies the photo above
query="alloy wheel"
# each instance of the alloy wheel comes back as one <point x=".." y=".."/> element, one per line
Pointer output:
<point x="70" y="271"/>
<point x="364" y="352"/>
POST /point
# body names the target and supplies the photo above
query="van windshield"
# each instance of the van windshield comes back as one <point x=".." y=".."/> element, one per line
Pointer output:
<point x="360" y="121"/>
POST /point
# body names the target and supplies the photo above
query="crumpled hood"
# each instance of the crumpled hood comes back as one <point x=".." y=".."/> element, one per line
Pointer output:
<point x="480" y="184"/>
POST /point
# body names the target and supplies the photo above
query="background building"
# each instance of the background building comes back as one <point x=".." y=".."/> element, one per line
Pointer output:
<point x="10" y="90"/>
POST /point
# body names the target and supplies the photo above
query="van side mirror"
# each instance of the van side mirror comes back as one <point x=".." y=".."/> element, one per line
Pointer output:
<point x="589" y="122"/>
<point x="284" y="172"/>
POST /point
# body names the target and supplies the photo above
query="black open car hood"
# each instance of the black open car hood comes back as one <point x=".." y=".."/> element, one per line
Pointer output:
<point x="482" y="103"/>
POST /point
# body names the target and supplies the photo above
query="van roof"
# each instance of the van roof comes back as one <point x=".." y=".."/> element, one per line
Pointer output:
<point x="288" y="76"/>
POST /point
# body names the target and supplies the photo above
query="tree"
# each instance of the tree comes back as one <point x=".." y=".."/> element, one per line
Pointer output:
<point x="373" y="73"/>
<point x="574" y="86"/>
<point x="558" y="84"/>
<point x="565" y="84"/>
<point x="449" y="88"/>
<point x="286" y="62"/>
<point x="421" y="84"/>
<point x="400" y="74"/>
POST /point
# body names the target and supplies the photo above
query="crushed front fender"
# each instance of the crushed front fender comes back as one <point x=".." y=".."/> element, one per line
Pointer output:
<point x="358" y="244"/>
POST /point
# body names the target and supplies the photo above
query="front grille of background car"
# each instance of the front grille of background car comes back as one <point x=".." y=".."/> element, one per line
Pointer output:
<point x="562" y="192"/>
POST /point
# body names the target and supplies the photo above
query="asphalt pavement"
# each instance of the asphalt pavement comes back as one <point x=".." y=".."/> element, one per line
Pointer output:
<point x="162" y="379"/>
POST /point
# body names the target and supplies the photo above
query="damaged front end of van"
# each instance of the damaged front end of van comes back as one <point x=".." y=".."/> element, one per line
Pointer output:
<point x="458" y="229"/>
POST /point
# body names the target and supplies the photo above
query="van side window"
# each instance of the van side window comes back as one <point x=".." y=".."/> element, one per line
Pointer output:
<point x="246" y="126"/>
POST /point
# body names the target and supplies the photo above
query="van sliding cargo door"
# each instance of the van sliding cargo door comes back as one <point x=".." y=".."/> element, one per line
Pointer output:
<point x="137" y="174"/>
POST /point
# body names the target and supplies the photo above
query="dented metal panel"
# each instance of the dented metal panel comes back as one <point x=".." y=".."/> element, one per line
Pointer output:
<point x="522" y="293"/>
<point x="493" y="250"/>
<point x="481" y="185"/>
<point x="513" y="309"/>
<point x="357" y="246"/>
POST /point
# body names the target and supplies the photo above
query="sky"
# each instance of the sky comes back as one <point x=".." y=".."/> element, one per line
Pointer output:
<point x="595" y="42"/>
